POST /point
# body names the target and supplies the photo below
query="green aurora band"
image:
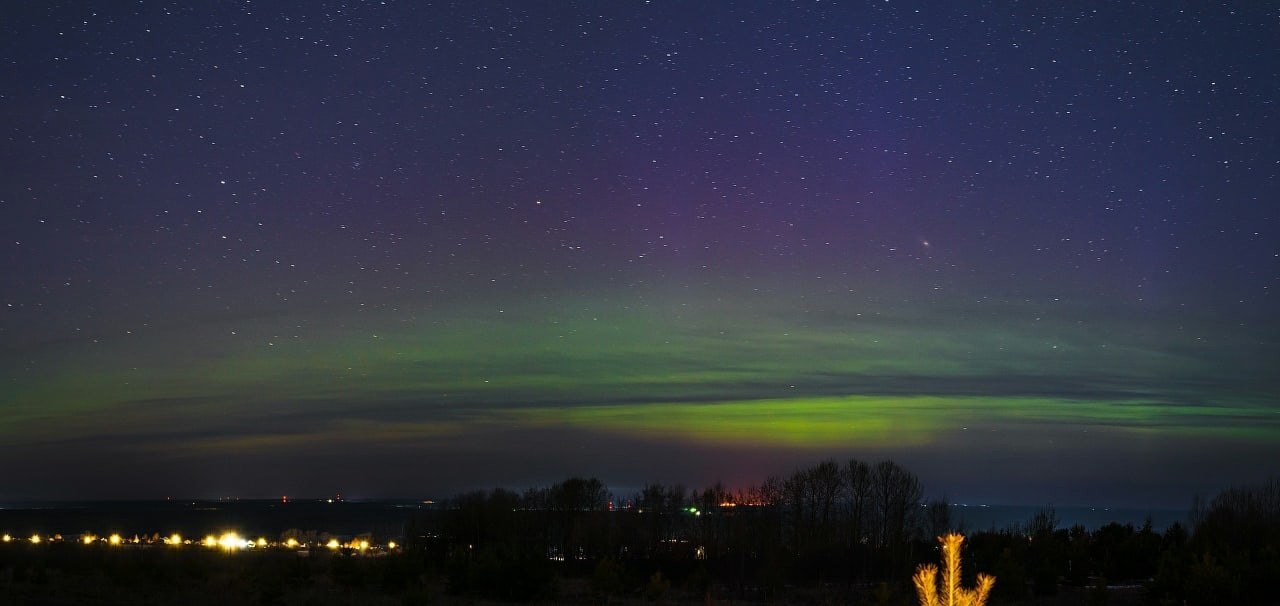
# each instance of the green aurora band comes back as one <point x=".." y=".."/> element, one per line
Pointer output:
<point x="744" y="374"/>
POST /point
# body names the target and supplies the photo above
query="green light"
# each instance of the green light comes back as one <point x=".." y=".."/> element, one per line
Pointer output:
<point x="753" y="372"/>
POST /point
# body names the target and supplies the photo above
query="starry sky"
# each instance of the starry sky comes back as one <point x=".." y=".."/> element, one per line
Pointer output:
<point x="398" y="248"/>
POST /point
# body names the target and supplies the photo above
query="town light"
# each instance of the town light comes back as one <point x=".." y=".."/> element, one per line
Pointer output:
<point x="230" y="541"/>
<point x="35" y="539"/>
<point x="332" y="544"/>
<point x="87" y="539"/>
<point x="291" y="542"/>
<point x="175" y="539"/>
<point x="115" y="539"/>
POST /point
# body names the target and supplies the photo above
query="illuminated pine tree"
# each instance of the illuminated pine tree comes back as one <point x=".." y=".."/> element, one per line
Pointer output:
<point x="950" y="593"/>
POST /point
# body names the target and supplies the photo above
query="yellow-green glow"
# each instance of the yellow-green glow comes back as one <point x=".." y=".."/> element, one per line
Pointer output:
<point x="806" y="423"/>
<point x="827" y="422"/>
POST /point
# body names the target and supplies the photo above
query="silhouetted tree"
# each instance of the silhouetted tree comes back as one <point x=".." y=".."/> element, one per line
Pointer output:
<point x="938" y="518"/>
<point x="896" y="495"/>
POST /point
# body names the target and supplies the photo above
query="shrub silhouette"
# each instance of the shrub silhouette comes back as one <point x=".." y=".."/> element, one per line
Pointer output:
<point x="950" y="593"/>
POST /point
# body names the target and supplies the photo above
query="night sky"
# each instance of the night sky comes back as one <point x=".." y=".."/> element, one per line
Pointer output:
<point x="402" y="248"/>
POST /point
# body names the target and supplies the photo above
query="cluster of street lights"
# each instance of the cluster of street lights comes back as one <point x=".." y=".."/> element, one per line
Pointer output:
<point x="227" y="541"/>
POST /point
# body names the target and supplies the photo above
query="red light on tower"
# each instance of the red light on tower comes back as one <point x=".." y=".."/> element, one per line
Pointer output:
<point x="284" y="499"/>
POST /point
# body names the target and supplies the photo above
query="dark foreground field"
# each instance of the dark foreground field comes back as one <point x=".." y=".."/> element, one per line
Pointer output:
<point x="69" y="574"/>
<point x="73" y="574"/>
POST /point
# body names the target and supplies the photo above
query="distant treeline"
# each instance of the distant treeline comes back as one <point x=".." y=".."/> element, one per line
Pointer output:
<point x="851" y="532"/>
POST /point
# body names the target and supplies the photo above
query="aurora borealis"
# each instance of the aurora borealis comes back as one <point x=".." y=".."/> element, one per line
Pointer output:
<point x="401" y="248"/>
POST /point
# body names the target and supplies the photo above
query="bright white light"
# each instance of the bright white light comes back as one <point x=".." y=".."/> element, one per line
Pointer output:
<point x="231" y="541"/>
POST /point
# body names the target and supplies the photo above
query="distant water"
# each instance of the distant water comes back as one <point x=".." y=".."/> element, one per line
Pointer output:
<point x="386" y="519"/>
<point x="985" y="517"/>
